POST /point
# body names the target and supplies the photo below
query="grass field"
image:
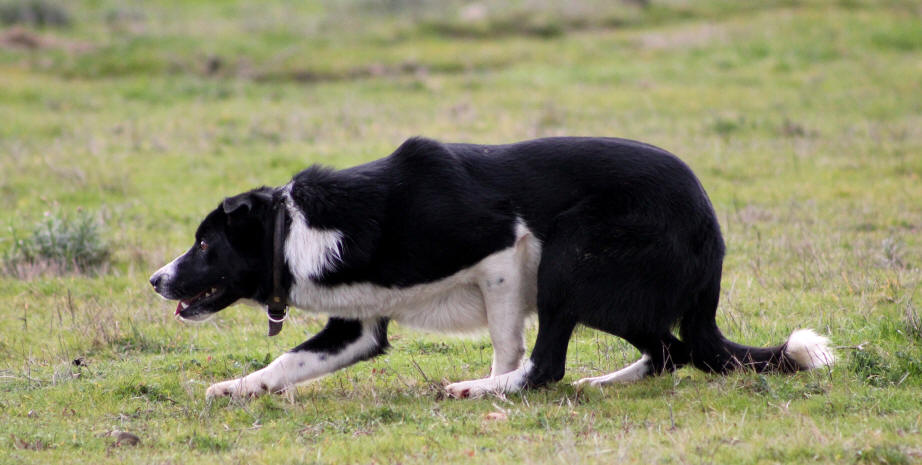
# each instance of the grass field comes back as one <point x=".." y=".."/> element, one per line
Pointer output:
<point x="803" y="120"/>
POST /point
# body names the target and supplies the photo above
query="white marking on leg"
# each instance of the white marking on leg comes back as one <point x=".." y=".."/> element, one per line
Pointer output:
<point x="633" y="372"/>
<point x="513" y="381"/>
<point x="507" y="336"/>
<point x="294" y="368"/>
<point x="507" y="299"/>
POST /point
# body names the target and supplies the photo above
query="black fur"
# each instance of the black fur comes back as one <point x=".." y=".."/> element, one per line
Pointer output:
<point x="339" y="333"/>
<point x="630" y="242"/>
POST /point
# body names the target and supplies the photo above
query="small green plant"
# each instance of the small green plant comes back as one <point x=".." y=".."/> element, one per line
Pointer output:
<point x="58" y="244"/>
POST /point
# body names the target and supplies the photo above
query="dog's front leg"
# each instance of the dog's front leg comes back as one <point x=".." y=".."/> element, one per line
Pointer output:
<point x="339" y="344"/>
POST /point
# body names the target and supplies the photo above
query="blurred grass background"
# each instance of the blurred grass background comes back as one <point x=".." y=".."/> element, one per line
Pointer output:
<point x="802" y="118"/>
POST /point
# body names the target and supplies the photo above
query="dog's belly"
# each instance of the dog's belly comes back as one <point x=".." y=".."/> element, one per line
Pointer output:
<point x="455" y="303"/>
<point x="458" y="309"/>
<point x="451" y="304"/>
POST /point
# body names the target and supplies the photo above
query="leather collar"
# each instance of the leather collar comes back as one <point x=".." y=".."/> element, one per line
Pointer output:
<point x="277" y="307"/>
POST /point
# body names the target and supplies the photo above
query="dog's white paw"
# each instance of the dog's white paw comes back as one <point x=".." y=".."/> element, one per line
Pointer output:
<point x="629" y="374"/>
<point x="219" y="390"/>
<point x="469" y="389"/>
<point x="509" y="382"/>
<point x="233" y="388"/>
<point x="594" y="382"/>
<point x="241" y="387"/>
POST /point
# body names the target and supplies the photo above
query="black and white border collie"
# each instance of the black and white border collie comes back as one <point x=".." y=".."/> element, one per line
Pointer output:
<point x="613" y="234"/>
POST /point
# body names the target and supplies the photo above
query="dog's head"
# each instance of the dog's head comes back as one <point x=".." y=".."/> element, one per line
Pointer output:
<point x="231" y="258"/>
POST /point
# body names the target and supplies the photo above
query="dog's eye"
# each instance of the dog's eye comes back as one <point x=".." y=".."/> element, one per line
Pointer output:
<point x="202" y="246"/>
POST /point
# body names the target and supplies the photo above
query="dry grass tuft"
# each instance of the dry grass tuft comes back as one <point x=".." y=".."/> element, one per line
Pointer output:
<point x="60" y="243"/>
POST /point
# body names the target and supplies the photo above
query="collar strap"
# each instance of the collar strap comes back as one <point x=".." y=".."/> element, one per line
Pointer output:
<point x="277" y="308"/>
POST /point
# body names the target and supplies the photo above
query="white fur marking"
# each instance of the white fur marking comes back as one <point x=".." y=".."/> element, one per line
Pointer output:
<point x="809" y="350"/>
<point x="508" y="298"/>
<point x="293" y="368"/>
<point x="513" y="381"/>
<point x="310" y="252"/>
<point x="629" y="374"/>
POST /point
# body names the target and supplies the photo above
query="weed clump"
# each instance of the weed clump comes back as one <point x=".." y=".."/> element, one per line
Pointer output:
<point x="35" y="13"/>
<point x="58" y="244"/>
<point x="883" y="454"/>
<point x="881" y="370"/>
<point x="207" y="443"/>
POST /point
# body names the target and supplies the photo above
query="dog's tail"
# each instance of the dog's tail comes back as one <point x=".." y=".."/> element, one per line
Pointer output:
<point x="712" y="352"/>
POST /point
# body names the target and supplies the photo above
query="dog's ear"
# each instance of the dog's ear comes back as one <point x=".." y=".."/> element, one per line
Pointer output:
<point x="246" y="202"/>
<point x="237" y="202"/>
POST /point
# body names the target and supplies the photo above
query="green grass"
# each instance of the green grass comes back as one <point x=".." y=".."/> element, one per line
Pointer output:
<point x="802" y="119"/>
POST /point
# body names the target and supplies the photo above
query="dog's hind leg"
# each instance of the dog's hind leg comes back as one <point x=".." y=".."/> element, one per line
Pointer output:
<point x="339" y="344"/>
<point x="506" y="323"/>
<point x="667" y="355"/>
<point x="545" y="365"/>
<point x="556" y="320"/>
<point x="508" y="288"/>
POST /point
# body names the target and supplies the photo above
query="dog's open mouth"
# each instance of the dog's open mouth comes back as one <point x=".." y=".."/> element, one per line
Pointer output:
<point x="200" y="306"/>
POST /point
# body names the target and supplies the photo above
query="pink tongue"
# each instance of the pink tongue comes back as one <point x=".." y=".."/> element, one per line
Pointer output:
<point x="178" y="308"/>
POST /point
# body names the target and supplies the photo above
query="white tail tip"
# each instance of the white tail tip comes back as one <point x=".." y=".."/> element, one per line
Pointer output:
<point x="809" y="350"/>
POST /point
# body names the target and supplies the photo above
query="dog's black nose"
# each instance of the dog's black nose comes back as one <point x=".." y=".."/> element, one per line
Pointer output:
<point x="155" y="280"/>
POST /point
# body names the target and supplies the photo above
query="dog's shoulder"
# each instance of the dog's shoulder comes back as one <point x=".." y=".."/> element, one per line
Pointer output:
<point x="422" y="158"/>
<point x="420" y="148"/>
<point x="331" y="197"/>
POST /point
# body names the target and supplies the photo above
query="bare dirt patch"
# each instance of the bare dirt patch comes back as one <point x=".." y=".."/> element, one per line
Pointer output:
<point x="683" y="38"/>
<point x="20" y="38"/>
